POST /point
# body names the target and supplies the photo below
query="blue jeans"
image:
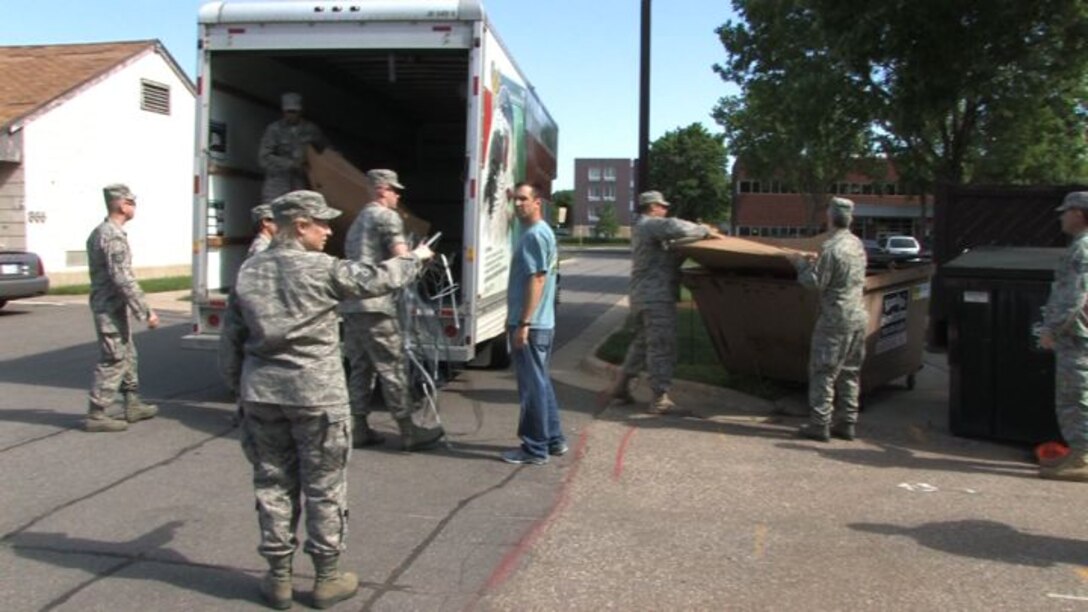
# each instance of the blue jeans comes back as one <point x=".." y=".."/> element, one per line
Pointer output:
<point x="539" y="425"/>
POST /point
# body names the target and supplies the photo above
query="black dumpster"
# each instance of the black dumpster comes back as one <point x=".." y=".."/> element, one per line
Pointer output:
<point x="1001" y="382"/>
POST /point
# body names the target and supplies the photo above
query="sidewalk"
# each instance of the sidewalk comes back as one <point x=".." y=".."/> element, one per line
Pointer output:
<point x="730" y="510"/>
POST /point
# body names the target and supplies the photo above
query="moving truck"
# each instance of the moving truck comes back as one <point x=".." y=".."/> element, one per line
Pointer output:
<point x="423" y="87"/>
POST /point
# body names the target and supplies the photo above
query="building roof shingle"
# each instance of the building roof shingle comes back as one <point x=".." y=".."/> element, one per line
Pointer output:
<point x="33" y="76"/>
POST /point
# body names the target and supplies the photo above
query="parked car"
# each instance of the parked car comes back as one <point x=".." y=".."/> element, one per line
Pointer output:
<point x="900" y="245"/>
<point x="21" y="275"/>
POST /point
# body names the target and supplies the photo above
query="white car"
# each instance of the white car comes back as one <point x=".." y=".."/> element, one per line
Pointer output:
<point x="900" y="245"/>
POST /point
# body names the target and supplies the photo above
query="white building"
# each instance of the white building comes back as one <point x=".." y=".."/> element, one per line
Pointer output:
<point x="74" y="118"/>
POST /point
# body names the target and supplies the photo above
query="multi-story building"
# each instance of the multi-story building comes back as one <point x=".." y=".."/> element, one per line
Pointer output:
<point x="767" y="206"/>
<point x="599" y="183"/>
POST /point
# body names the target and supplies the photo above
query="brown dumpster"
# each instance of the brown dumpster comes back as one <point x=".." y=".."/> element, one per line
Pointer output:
<point x="760" y="319"/>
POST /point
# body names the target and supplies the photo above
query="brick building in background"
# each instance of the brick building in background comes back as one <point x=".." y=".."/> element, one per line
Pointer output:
<point x="769" y="207"/>
<point x="603" y="182"/>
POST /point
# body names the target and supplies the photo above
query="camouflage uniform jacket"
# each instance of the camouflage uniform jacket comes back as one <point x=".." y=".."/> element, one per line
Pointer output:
<point x="282" y="155"/>
<point x="655" y="272"/>
<point x="109" y="260"/>
<point x="280" y="341"/>
<point x="839" y="275"/>
<point x="370" y="240"/>
<point x="1064" y="313"/>
<point x="259" y="245"/>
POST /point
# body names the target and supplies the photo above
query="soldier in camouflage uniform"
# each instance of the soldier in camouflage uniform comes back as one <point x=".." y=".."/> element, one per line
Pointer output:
<point x="265" y="226"/>
<point x="1065" y="331"/>
<point x="838" y="340"/>
<point x="655" y="286"/>
<point x="280" y="353"/>
<point x="373" y="342"/>
<point x="282" y="152"/>
<point x="114" y="292"/>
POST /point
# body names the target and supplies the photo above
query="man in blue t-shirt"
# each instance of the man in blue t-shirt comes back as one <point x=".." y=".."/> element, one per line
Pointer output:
<point x="530" y="325"/>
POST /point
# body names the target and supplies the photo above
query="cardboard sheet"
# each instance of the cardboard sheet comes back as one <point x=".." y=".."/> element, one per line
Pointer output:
<point x="346" y="189"/>
<point x="732" y="253"/>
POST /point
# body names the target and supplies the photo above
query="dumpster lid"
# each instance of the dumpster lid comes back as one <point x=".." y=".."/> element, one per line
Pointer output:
<point x="1032" y="263"/>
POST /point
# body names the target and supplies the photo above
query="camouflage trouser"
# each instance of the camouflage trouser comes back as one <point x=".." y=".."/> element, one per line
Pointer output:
<point x="374" y="348"/>
<point x="1071" y="390"/>
<point x="298" y="450"/>
<point x="116" y="369"/>
<point x="834" y="368"/>
<point x="654" y="344"/>
<point x="278" y="183"/>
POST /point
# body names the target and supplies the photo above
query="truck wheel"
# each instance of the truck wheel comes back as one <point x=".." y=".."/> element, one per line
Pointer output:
<point x="492" y="355"/>
<point x="911" y="379"/>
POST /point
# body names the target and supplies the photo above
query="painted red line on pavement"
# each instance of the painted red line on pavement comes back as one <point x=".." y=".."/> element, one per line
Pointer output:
<point x="621" y="452"/>
<point x="510" y="562"/>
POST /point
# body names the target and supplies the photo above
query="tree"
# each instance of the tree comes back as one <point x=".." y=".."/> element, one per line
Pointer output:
<point x="798" y="118"/>
<point x="688" y="165"/>
<point x="607" y="223"/>
<point x="950" y="90"/>
<point x="560" y="200"/>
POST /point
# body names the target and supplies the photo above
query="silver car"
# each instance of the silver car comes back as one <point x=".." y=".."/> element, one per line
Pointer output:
<point x="900" y="245"/>
<point x="21" y="275"/>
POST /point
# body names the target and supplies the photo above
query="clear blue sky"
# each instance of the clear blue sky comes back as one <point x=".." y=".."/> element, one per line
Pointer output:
<point x="581" y="55"/>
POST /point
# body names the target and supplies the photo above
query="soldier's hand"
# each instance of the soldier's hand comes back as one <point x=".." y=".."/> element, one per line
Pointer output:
<point x="423" y="252"/>
<point x="1046" y="341"/>
<point x="521" y="337"/>
<point x="152" y="320"/>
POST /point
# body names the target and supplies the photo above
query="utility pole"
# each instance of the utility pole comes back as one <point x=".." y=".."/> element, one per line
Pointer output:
<point x="644" y="103"/>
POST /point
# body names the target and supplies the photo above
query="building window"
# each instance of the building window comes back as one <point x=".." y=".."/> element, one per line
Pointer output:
<point x="745" y="187"/>
<point x="594" y="173"/>
<point x="594" y="193"/>
<point x="154" y="97"/>
<point x="610" y="174"/>
<point x="608" y="192"/>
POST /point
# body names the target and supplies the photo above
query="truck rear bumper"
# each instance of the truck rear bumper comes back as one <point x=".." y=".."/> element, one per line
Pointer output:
<point x="203" y="342"/>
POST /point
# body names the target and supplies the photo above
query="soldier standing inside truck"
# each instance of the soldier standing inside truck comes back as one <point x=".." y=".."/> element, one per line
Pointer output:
<point x="838" y="341"/>
<point x="1065" y="331"/>
<point x="282" y="152"/>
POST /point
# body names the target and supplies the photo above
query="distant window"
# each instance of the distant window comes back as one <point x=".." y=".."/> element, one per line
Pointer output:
<point x="595" y="173"/>
<point x="594" y="193"/>
<point x="867" y="189"/>
<point x="745" y="186"/>
<point x="609" y="174"/>
<point x="154" y="97"/>
<point x="889" y="189"/>
<point x="608" y="192"/>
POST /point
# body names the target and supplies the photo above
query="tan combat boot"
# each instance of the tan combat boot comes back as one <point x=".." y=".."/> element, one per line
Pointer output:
<point x="276" y="583"/>
<point x="662" y="404"/>
<point x="1073" y="468"/>
<point x="136" y="410"/>
<point x="331" y="585"/>
<point x="416" y="438"/>
<point x="362" y="435"/>
<point x="99" y="422"/>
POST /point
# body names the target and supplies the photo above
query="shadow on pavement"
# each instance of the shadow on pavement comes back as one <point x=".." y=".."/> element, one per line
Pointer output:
<point x="988" y="540"/>
<point x="149" y="550"/>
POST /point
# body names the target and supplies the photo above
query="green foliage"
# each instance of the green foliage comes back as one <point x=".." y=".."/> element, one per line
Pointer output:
<point x="608" y="224"/>
<point x="150" y="285"/>
<point x="696" y="359"/>
<point x="688" y="166"/>
<point x="957" y="91"/>
<point x="562" y="199"/>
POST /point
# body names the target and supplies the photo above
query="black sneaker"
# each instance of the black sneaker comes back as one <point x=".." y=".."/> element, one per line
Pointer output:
<point x="812" y="431"/>
<point x="558" y="449"/>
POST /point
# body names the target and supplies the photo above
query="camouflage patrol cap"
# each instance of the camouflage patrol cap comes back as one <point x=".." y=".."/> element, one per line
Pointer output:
<point x="842" y="205"/>
<point x="652" y="197"/>
<point x="261" y="212"/>
<point x="117" y="191"/>
<point x="291" y="101"/>
<point x="381" y="177"/>
<point x="1074" y="199"/>
<point x="302" y="203"/>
